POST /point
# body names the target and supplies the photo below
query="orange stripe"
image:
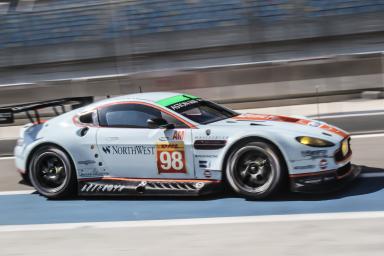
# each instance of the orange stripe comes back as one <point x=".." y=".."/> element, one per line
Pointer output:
<point x="334" y="130"/>
<point x="252" y="117"/>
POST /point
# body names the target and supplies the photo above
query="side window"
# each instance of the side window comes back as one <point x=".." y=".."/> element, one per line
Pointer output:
<point x="172" y="120"/>
<point x="132" y="116"/>
<point x="87" y="118"/>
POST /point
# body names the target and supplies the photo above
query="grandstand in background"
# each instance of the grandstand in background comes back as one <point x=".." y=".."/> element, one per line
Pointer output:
<point x="57" y="39"/>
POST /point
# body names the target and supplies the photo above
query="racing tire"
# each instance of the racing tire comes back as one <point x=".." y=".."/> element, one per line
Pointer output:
<point x="255" y="170"/>
<point x="52" y="173"/>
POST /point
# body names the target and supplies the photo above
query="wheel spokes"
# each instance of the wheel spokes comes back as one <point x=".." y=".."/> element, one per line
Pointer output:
<point x="254" y="169"/>
<point x="51" y="171"/>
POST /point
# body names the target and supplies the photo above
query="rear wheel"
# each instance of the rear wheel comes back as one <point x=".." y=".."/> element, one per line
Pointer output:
<point x="255" y="170"/>
<point x="51" y="173"/>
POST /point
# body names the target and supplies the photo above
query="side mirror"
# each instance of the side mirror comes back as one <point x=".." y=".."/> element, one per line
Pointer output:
<point x="159" y="123"/>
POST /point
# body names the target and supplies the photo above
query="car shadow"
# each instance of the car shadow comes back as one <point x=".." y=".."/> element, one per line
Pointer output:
<point x="25" y="183"/>
<point x="369" y="181"/>
<point x="360" y="186"/>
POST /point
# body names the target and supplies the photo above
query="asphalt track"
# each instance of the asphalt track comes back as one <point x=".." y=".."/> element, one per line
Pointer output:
<point x="357" y="123"/>
<point x="318" y="236"/>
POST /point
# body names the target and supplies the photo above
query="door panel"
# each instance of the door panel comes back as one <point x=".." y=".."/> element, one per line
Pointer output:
<point x="147" y="153"/>
<point x="131" y="149"/>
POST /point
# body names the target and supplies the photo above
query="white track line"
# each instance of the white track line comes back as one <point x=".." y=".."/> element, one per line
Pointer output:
<point x="350" y="115"/>
<point x="362" y="136"/>
<point x="372" y="175"/>
<point x="18" y="192"/>
<point x="7" y="158"/>
<point x="198" y="221"/>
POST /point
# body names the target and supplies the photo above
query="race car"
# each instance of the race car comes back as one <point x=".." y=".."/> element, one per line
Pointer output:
<point x="177" y="144"/>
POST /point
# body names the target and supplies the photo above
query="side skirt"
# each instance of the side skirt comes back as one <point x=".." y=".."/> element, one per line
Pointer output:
<point x="146" y="187"/>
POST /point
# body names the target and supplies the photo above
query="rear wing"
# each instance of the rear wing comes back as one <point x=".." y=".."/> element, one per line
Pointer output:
<point x="58" y="106"/>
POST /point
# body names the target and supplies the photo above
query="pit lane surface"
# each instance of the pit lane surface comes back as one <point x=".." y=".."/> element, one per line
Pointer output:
<point x="315" y="238"/>
<point x="347" y="223"/>
<point x="365" y="194"/>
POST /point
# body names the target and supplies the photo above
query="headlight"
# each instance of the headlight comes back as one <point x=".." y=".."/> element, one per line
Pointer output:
<point x="344" y="147"/>
<point x="314" y="142"/>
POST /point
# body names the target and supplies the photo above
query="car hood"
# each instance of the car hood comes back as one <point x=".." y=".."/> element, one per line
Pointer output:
<point x="291" y="123"/>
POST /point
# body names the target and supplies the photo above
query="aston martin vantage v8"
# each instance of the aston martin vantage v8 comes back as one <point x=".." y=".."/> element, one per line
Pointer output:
<point x="177" y="144"/>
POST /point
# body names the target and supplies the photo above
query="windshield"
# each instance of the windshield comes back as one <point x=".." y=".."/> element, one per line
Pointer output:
<point x="202" y="111"/>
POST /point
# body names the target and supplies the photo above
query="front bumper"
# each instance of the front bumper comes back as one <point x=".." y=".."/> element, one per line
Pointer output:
<point x="325" y="181"/>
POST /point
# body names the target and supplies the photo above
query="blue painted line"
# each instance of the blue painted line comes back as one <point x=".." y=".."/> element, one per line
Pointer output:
<point x="362" y="195"/>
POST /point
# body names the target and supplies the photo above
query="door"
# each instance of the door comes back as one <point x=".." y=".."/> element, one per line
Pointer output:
<point x="131" y="149"/>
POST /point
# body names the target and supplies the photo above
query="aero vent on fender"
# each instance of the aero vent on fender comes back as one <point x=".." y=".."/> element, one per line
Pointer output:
<point x="209" y="144"/>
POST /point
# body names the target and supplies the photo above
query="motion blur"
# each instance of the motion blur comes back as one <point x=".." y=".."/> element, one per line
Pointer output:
<point x="322" y="59"/>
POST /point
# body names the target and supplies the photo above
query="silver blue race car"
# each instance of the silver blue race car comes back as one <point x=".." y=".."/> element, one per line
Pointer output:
<point x="176" y="144"/>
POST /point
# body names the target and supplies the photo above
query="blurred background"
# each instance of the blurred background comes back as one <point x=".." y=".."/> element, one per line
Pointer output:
<point x="319" y="58"/>
<point x="246" y="54"/>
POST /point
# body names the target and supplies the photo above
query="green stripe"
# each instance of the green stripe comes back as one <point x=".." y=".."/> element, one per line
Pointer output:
<point x="175" y="99"/>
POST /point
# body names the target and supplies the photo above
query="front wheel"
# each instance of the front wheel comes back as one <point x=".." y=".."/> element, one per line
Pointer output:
<point x="51" y="173"/>
<point x="255" y="170"/>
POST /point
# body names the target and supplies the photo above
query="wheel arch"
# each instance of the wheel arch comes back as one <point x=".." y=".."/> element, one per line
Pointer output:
<point x="46" y="144"/>
<point x="250" y="139"/>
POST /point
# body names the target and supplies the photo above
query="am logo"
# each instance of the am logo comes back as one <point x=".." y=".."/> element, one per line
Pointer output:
<point x="178" y="135"/>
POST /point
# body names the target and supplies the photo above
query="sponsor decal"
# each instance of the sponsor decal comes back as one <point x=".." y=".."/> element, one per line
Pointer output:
<point x="204" y="164"/>
<point x="176" y="99"/>
<point x="86" y="162"/>
<point x="184" y="104"/>
<point x="211" y="137"/>
<point x="128" y="150"/>
<point x="207" y="174"/>
<point x="206" y="156"/>
<point x="314" y="154"/>
<point x="92" y="172"/>
<point x="199" y="185"/>
<point x="178" y="135"/>
<point x="323" y="164"/>
<point x="314" y="124"/>
<point x="102" y="188"/>
<point x="304" y="167"/>
<point x="170" y="157"/>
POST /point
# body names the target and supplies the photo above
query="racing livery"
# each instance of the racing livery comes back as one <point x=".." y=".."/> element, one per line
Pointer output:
<point x="178" y="144"/>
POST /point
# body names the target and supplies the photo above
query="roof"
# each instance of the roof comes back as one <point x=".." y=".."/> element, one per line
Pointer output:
<point x="147" y="96"/>
<point x="155" y="97"/>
